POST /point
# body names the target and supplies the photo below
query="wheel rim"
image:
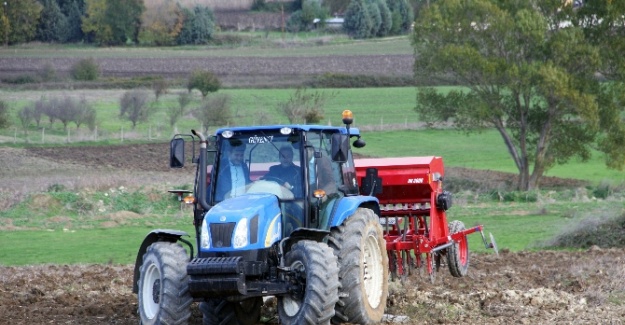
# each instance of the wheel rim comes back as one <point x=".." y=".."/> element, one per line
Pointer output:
<point x="373" y="273"/>
<point x="151" y="292"/>
<point x="291" y="303"/>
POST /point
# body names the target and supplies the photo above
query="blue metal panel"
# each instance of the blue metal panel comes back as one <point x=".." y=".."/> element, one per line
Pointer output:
<point x="262" y="206"/>
<point x="348" y="205"/>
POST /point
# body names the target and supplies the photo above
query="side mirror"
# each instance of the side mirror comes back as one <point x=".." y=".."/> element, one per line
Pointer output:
<point x="359" y="143"/>
<point x="176" y="153"/>
<point x="340" y="147"/>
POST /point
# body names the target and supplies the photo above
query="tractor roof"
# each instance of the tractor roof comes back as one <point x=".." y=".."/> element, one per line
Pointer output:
<point x="302" y="127"/>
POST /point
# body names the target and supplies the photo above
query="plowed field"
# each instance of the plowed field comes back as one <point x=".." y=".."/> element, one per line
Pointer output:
<point x="546" y="287"/>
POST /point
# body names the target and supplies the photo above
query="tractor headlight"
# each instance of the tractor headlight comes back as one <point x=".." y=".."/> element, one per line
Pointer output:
<point x="240" y="234"/>
<point x="274" y="232"/>
<point x="204" y="236"/>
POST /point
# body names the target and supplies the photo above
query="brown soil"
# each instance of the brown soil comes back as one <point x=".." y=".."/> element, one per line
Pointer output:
<point x="546" y="287"/>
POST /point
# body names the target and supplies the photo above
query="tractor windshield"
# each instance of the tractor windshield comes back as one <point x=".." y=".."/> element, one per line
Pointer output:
<point x="259" y="162"/>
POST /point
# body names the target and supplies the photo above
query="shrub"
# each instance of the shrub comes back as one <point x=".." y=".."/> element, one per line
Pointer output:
<point x="601" y="229"/>
<point x="47" y="73"/>
<point x="85" y="70"/>
<point x="204" y="81"/>
<point x="296" y="23"/>
<point x="515" y="196"/>
<point x="606" y="189"/>
<point x="21" y="80"/>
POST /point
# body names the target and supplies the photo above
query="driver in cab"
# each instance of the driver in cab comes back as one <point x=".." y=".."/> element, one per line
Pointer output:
<point x="286" y="173"/>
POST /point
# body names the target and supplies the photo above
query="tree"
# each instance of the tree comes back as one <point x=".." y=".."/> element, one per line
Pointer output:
<point x="4" y="115"/>
<point x="303" y="19"/>
<point x="525" y="75"/>
<point x="387" y="18"/>
<point x="113" y="22"/>
<point x="124" y="17"/>
<point x="73" y="11"/>
<point x="52" y="23"/>
<point x="25" y="117"/>
<point x="19" y="24"/>
<point x="304" y="107"/>
<point x="134" y="106"/>
<point x="66" y="110"/>
<point x="161" y="23"/>
<point x="94" y="24"/>
<point x="603" y="24"/>
<point x="84" y="113"/>
<point x="357" y="21"/>
<point x="198" y="27"/>
<point x="336" y="6"/>
<point x="160" y="86"/>
<point x="176" y="112"/>
<point x="204" y="81"/>
<point x="376" y="17"/>
<point x="402" y="15"/>
<point x="214" y="111"/>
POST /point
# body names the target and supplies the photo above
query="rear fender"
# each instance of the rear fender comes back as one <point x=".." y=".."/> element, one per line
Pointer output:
<point x="168" y="235"/>
<point x="348" y="205"/>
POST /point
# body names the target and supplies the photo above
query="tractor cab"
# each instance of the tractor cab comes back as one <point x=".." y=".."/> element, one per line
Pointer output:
<point x="308" y="168"/>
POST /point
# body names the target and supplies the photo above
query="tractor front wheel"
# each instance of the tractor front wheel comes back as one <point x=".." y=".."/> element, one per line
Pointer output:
<point x="363" y="261"/>
<point x="458" y="253"/>
<point x="222" y="312"/>
<point x="315" y="285"/>
<point x="164" y="296"/>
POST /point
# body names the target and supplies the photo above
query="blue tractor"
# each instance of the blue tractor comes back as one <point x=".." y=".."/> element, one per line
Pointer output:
<point x="309" y="239"/>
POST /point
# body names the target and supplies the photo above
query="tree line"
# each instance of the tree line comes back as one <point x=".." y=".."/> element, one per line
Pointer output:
<point x="167" y="23"/>
<point x="104" y="22"/>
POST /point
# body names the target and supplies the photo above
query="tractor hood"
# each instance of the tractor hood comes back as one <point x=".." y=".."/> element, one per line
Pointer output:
<point x="251" y="221"/>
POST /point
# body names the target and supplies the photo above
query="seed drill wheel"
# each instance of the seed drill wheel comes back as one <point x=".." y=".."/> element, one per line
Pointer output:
<point x="363" y="262"/>
<point x="314" y="273"/>
<point x="222" y="312"/>
<point x="164" y="296"/>
<point x="458" y="253"/>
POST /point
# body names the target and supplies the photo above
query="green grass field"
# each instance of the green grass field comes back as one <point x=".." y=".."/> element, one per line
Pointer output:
<point x="388" y="112"/>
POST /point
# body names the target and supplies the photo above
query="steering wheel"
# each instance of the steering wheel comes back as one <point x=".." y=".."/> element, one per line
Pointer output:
<point x="274" y="179"/>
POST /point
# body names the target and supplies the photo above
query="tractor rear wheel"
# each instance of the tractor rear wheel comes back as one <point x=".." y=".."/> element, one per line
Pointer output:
<point x="361" y="250"/>
<point x="314" y="278"/>
<point x="164" y="296"/>
<point x="458" y="253"/>
<point x="222" y="312"/>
